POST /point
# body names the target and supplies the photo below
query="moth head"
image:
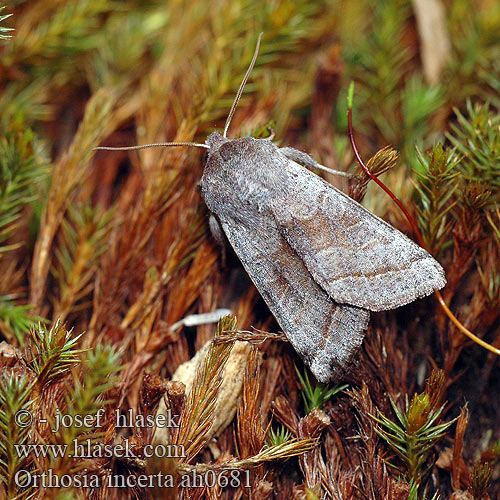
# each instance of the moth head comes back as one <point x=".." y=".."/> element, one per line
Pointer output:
<point x="215" y="141"/>
<point x="227" y="150"/>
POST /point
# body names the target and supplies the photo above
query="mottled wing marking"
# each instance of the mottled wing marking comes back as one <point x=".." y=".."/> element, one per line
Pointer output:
<point x="324" y="333"/>
<point x="356" y="257"/>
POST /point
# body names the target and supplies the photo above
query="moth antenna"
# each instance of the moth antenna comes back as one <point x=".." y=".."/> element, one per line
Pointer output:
<point x="242" y="86"/>
<point x="156" y="145"/>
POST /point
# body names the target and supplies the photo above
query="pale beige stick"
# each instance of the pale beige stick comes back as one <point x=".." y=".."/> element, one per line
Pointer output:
<point x="435" y="43"/>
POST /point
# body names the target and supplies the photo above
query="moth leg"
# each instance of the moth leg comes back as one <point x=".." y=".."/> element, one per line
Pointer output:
<point x="218" y="235"/>
<point x="272" y="134"/>
<point x="309" y="162"/>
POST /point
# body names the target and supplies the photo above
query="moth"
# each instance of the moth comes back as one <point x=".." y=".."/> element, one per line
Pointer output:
<point x="320" y="260"/>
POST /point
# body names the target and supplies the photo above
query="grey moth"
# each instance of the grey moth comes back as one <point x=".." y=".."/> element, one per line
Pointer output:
<point x="320" y="260"/>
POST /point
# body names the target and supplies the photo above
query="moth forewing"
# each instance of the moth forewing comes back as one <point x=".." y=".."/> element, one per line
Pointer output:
<point x="355" y="256"/>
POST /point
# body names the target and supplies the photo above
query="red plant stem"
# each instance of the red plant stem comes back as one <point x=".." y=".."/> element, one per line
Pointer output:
<point x="380" y="183"/>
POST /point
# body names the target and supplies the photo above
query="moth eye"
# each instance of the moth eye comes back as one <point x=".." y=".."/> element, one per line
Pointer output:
<point x="230" y="150"/>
